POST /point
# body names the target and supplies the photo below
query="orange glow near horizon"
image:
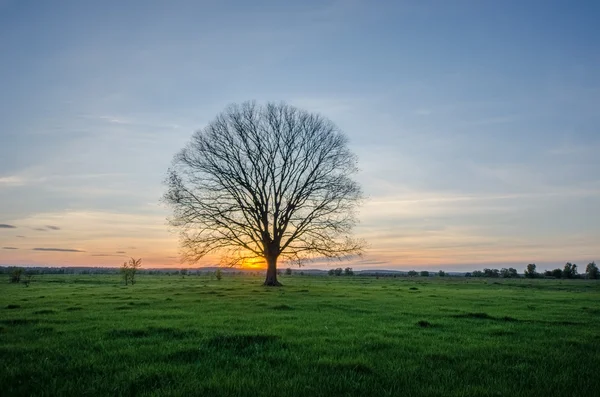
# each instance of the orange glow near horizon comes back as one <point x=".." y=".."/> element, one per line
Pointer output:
<point x="253" y="263"/>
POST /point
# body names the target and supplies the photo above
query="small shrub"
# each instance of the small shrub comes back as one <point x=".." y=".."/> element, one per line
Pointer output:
<point x="219" y="274"/>
<point x="15" y="275"/>
<point x="129" y="269"/>
<point x="28" y="278"/>
<point x="424" y="324"/>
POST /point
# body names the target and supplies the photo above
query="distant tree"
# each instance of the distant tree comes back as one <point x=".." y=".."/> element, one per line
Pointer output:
<point x="183" y="272"/>
<point x="556" y="273"/>
<point x="509" y="273"/>
<point x="442" y="273"/>
<point x="467" y="274"/>
<point x="272" y="182"/>
<point x="348" y="271"/>
<point x="15" y="275"/>
<point x="288" y="271"/>
<point x="491" y="273"/>
<point x="218" y="274"/>
<point x="530" y="271"/>
<point x="331" y="272"/>
<point x="477" y="273"/>
<point x="570" y="270"/>
<point x="424" y="273"/>
<point x="302" y="273"/>
<point x="338" y="271"/>
<point x="412" y="273"/>
<point x="591" y="270"/>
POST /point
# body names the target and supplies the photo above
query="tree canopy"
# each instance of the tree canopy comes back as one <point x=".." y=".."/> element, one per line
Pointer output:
<point x="265" y="181"/>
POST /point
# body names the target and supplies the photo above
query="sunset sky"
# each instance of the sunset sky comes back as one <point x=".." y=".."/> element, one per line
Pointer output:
<point x="476" y="123"/>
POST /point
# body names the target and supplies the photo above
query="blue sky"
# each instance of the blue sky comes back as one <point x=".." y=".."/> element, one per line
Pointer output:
<point x="476" y="122"/>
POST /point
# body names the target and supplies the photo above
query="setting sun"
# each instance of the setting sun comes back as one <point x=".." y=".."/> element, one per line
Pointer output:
<point x="253" y="263"/>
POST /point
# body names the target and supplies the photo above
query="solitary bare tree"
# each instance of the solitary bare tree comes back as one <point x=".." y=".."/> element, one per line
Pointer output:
<point x="264" y="183"/>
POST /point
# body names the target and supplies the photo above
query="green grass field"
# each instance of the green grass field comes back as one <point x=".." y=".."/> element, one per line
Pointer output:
<point x="317" y="336"/>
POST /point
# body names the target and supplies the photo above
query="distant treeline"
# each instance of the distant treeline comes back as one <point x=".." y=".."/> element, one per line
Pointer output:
<point x="117" y="270"/>
<point x="569" y="271"/>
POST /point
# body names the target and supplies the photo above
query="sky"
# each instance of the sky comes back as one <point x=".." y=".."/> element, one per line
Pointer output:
<point x="476" y="123"/>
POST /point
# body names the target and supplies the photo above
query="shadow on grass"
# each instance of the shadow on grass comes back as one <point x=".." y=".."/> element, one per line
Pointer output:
<point x="243" y="342"/>
<point x="282" y="307"/>
<point x="150" y="332"/>
<point x="45" y="311"/>
<point x="19" y="321"/>
<point x="347" y="368"/>
<point x="485" y="316"/>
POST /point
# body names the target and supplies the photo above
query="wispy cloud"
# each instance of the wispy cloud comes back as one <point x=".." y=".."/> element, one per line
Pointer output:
<point x="105" y="255"/>
<point x="492" y="120"/>
<point x="21" y="236"/>
<point x="6" y="226"/>
<point x="57" y="249"/>
<point x="45" y="228"/>
<point x="121" y="252"/>
<point x="130" y="121"/>
<point x="9" y="248"/>
<point x="11" y="181"/>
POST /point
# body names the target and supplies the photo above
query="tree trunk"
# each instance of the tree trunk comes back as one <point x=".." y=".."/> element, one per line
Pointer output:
<point x="271" y="280"/>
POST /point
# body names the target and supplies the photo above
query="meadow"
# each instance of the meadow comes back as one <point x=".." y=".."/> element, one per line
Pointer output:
<point x="89" y="335"/>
